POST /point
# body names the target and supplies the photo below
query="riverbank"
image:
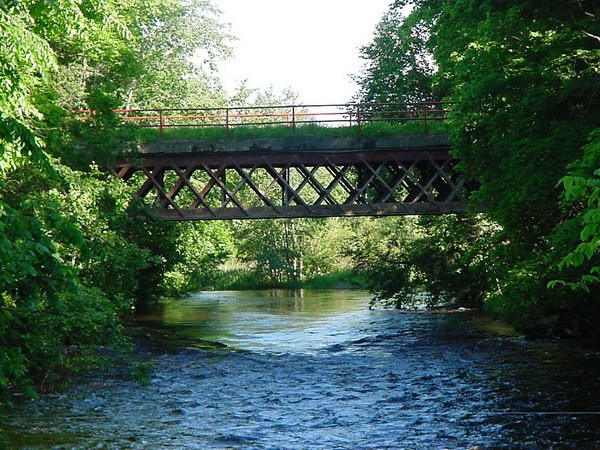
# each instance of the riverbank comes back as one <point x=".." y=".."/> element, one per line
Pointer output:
<point x="244" y="280"/>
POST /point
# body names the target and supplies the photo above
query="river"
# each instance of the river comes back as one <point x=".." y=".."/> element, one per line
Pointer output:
<point x="319" y="370"/>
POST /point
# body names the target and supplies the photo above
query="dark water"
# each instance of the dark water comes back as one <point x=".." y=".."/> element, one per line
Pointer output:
<point x="318" y="370"/>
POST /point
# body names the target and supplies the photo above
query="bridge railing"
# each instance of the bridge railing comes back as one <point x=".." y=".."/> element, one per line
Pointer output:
<point x="329" y="115"/>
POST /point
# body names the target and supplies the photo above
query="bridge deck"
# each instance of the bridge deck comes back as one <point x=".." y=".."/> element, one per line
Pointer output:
<point x="298" y="177"/>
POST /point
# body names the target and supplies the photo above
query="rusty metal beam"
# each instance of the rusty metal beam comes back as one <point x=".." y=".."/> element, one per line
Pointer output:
<point x="318" y="211"/>
<point x="412" y="177"/>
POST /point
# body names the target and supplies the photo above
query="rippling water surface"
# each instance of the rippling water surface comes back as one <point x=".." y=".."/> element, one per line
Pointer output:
<point x="317" y="369"/>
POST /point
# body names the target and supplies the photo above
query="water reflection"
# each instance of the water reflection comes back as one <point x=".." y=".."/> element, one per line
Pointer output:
<point x="270" y="320"/>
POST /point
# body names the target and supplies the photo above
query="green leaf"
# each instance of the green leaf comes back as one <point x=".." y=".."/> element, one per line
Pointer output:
<point x="552" y="284"/>
<point x="589" y="231"/>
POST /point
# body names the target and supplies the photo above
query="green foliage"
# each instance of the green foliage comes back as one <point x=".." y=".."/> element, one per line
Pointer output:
<point x="524" y="75"/>
<point x="42" y="344"/>
<point x="379" y="252"/>
<point x="25" y="62"/>
<point x="74" y="253"/>
<point x="236" y="276"/>
<point x="4" y="441"/>
<point x="32" y="235"/>
<point x="180" y="42"/>
<point x="286" y="131"/>
<point x="341" y="279"/>
<point x="279" y="261"/>
<point x="98" y="142"/>
<point x="582" y="196"/>
<point x="139" y="52"/>
<point x="439" y="259"/>
<point x="141" y="372"/>
<point x="398" y="63"/>
<point x="67" y="339"/>
<point x="519" y="105"/>
<point x="32" y="232"/>
<point x="49" y="322"/>
<point x="201" y="248"/>
<point x="525" y="79"/>
<point x="98" y="205"/>
<point x="277" y="252"/>
<point x="246" y="96"/>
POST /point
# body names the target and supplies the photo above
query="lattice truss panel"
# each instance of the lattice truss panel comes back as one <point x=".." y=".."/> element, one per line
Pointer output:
<point x="245" y="186"/>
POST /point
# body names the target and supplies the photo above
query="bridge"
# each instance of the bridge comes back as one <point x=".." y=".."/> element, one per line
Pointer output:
<point x="332" y="161"/>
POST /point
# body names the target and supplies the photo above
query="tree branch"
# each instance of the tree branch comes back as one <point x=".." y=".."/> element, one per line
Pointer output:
<point x="593" y="36"/>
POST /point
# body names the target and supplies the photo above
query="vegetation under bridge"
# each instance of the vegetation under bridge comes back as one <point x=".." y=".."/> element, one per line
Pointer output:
<point x="296" y="161"/>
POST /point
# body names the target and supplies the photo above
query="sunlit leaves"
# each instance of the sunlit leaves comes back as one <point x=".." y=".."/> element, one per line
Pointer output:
<point x="399" y="64"/>
<point x="31" y="238"/>
<point x="37" y="241"/>
<point x="582" y="191"/>
<point x="25" y="59"/>
<point x="200" y="247"/>
<point x="72" y="251"/>
<point x="176" y="45"/>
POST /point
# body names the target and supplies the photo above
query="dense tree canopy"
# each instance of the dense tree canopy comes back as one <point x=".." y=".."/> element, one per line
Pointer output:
<point x="525" y="77"/>
<point x="74" y="253"/>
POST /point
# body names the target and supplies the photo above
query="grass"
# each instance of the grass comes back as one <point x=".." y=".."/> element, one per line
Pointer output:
<point x="339" y="280"/>
<point x="285" y="131"/>
<point x="241" y="280"/>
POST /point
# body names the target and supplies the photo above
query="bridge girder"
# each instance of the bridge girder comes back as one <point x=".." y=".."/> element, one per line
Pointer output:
<point x="324" y="179"/>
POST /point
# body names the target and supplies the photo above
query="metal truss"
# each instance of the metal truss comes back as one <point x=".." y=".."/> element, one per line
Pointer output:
<point x="263" y="184"/>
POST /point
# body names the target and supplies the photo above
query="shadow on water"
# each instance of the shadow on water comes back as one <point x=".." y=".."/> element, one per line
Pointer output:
<point x="317" y="369"/>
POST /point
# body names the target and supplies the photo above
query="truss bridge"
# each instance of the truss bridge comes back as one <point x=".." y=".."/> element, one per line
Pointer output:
<point x="287" y="177"/>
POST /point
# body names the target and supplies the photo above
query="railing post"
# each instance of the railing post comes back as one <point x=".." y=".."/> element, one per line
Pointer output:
<point x="227" y="131"/>
<point x="358" y="122"/>
<point x="161" y="126"/>
<point x="293" y="119"/>
<point x="425" y="118"/>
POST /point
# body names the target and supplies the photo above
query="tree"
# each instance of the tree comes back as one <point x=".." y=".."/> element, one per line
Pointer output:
<point x="446" y="258"/>
<point x="524" y="77"/>
<point x="399" y="65"/>
<point x="143" y="54"/>
<point x="26" y="60"/>
<point x="292" y="250"/>
<point x="177" y="45"/>
<point x="73" y="251"/>
<point x="37" y="279"/>
<point x="272" y="249"/>
<point x="201" y="248"/>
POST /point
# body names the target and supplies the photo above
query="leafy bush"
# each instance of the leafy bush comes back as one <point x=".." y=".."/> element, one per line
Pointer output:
<point x="582" y="197"/>
<point x="41" y="343"/>
<point x="446" y="258"/>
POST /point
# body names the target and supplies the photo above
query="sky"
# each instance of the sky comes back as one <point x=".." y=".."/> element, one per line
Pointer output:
<point x="310" y="46"/>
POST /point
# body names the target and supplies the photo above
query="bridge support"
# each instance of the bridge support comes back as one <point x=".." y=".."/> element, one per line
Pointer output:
<point x="299" y="178"/>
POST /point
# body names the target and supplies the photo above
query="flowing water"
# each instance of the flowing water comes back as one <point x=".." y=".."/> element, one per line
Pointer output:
<point x="319" y="370"/>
